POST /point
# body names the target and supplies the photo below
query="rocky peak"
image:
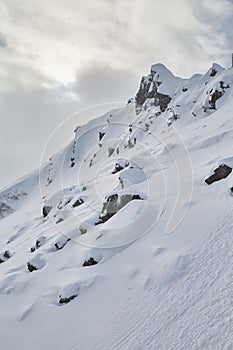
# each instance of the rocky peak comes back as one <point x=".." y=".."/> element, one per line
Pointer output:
<point x="175" y="97"/>
<point x="156" y="88"/>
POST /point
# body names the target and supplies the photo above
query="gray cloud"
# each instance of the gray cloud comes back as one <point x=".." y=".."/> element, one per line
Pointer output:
<point x="3" y="41"/>
<point x="101" y="84"/>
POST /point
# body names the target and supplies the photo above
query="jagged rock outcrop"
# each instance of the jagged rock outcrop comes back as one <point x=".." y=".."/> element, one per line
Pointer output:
<point x="5" y="256"/>
<point x="64" y="300"/>
<point x="39" y="242"/>
<point x="31" y="267"/>
<point x="90" y="262"/>
<point x="149" y="94"/>
<point x="216" y="94"/>
<point x="120" y="165"/>
<point x="46" y="210"/>
<point x="113" y="204"/>
<point x="61" y="244"/>
<point x="78" y="202"/>
<point x="220" y="173"/>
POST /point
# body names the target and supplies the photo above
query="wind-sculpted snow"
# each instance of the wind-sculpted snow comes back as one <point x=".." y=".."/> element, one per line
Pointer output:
<point x="120" y="243"/>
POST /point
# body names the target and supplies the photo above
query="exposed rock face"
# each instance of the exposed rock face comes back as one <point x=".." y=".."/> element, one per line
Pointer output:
<point x="59" y="220"/>
<point x="214" y="97"/>
<point x="46" y="210"/>
<point x="110" y="151"/>
<point x="78" y="202"/>
<point x="67" y="300"/>
<point x="5" y="256"/>
<point x="39" y="242"/>
<point x="90" y="262"/>
<point x="220" y="173"/>
<point x="120" y="165"/>
<point x="217" y="94"/>
<point x="61" y="245"/>
<point x="31" y="267"/>
<point x="113" y="204"/>
<point x="82" y="230"/>
<point x="101" y="135"/>
<point x="148" y="89"/>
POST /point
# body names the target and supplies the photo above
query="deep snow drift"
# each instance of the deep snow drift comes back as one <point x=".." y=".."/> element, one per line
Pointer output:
<point x="124" y="239"/>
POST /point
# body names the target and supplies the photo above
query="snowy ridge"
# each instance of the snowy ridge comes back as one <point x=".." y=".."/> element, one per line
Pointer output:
<point x="84" y="244"/>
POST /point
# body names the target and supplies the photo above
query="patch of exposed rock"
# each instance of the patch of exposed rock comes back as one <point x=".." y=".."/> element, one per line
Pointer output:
<point x="113" y="204"/>
<point x="5" y="256"/>
<point x="148" y="91"/>
<point x="46" y="210"/>
<point x="64" y="300"/>
<point x="90" y="262"/>
<point x="220" y="173"/>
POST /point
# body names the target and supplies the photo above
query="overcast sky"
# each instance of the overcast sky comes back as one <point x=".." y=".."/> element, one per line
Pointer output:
<point x="59" y="56"/>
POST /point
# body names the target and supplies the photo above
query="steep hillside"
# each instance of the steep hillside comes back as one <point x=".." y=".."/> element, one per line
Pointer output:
<point x="123" y="240"/>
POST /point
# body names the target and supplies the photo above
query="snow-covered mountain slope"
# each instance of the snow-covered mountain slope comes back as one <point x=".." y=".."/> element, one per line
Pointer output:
<point x="124" y="239"/>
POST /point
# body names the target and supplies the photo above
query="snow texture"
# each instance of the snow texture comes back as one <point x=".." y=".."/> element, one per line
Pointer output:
<point x="158" y="273"/>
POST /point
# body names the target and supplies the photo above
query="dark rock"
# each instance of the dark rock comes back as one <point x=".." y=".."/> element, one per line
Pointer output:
<point x="110" y="151"/>
<point x="82" y="230"/>
<point x="72" y="162"/>
<point x="214" y="97"/>
<point x="213" y="72"/>
<point x="67" y="300"/>
<point x="60" y="246"/>
<point x="39" y="242"/>
<point x="220" y="173"/>
<point x="119" y="167"/>
<point x="90" y="262"/>
<point x="222" y="86"/>
<point x="101" y="135"/>
<point x="31" y="267"/>
<point x="78" y="202"/>
<point x="131" y="143"/>
<point x="142" y="93"/>
<point x="59" y="220"/>
<point x="113" y="204"/>
<point x="67" y="201"/>
<point x="49" y="181"/>
<point x="46" y="210"/>
<point x="7" y="254"/>
<point x="217" y="94"/>
<point x="145" y="92"/>
<point x="162" y="101"/>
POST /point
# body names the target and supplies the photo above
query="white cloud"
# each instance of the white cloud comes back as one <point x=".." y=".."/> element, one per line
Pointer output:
<point x="60" y="37"/>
